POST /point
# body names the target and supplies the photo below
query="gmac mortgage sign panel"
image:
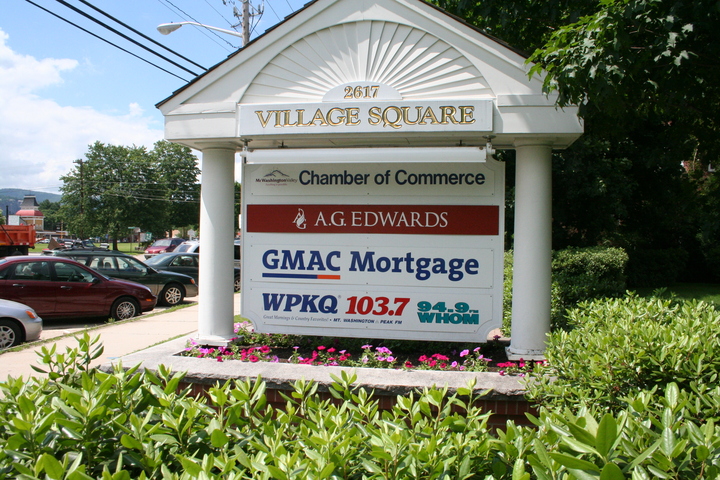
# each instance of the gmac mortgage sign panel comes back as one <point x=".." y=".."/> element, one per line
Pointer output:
<point x="374" y="250"/>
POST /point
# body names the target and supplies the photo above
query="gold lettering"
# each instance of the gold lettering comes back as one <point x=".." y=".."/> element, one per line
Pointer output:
<point x="406" y="116"/>
<point x="286" y="121"/>
<point x="375" y="117"/>
<point x="429" y="115"/>
<point x="340" y="119"/>
<point x="263" y="121"/>
<point x="352" y="116"/>
<point x="300" y="114"/>
<point x="318" y="117"/>
<point x="278" y="118"/>
<point x="466" y="114"/>
<point x="448" y="113"/>
<point x="387" y="122"/>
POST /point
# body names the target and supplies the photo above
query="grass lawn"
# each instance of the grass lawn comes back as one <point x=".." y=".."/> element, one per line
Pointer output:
<point x="707" y="292"/>
<point x="129" y="248"/>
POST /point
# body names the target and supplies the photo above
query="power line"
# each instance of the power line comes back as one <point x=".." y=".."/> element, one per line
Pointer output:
<point x="140" y="33"/>
<point x="106" y="41"/>
<point x="77" y="10"/>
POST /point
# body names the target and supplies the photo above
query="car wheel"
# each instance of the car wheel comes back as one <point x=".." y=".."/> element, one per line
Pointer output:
<point x="10" y="334"/>
<point x="172" y="294"/>
<point x="125" y="308"/>
<point x="237" y="284"/>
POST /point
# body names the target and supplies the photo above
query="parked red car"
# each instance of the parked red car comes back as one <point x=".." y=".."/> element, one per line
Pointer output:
<point x="58" y="287"/>
<point x="163" y="245"/>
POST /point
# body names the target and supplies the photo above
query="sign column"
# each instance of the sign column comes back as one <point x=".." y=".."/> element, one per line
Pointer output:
<point x="217" y="217"/>
<point x="532" y="252"/>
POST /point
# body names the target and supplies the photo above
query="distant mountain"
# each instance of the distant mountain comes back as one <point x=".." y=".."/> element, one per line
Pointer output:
<point x="11" y="198"/>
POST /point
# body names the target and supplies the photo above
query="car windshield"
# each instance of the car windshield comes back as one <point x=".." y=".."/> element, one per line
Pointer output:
<point x="184" y="247"/>
<point x="162" y="243"/>
<point x="155" y="260"/>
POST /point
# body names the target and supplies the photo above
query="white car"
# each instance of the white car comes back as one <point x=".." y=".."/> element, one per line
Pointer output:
<point x="18" y="323"/>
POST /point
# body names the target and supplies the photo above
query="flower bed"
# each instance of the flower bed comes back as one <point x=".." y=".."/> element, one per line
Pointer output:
<point x="252" y="347"/>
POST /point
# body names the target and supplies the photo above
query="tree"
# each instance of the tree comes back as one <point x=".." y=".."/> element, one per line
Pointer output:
<point x="176" y="171"/>
<point x="643" y="73"/>
<point x="119" y="187"/>
<point x="51" y="212"/>
<point x="637" y="60"/>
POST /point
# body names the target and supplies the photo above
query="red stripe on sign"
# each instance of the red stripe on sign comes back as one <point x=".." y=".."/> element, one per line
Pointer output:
<point x="379" y="219"/>
<point x="328" y="277"/>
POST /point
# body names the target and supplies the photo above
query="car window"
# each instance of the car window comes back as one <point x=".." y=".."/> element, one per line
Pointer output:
<point x="183" y="261"/>
<point x="32" y="271"/>
<point x="104" y="264"/>
<point x="130" y="265"/>
<point x="67" y="272"/>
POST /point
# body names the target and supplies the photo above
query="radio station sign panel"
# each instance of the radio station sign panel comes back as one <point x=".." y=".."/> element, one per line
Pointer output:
<point x="353" y="258"/>
<point x="365" y="117"/>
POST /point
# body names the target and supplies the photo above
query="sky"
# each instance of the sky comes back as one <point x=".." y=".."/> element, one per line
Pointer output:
<point x="62" y="89"/>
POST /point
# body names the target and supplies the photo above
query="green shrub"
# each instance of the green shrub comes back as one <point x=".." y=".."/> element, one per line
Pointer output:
<point x="618" y="347"/>
<point x="655" y="267"/>
<point x="85" y="424"/>
<point x="578" y="274"/>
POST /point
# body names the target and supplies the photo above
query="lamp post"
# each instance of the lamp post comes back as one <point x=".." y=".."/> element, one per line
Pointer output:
<point x="168" y="28"/>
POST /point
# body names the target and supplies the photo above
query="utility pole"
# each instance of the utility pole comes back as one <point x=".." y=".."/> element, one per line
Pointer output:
<point x="245" y="22"/>
<point x="82" y="199"/>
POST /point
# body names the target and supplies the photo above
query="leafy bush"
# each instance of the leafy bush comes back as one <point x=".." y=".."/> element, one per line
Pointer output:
<point x="577" y="274"/>
<point x="86" y="424"/>
<point x="619" y="347"/>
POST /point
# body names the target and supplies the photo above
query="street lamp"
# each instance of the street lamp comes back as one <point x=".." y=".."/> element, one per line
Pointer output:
<point x="168" y="28"/>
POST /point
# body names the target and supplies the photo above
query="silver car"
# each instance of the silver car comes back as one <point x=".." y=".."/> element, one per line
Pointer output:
<point x="18" y="323"/>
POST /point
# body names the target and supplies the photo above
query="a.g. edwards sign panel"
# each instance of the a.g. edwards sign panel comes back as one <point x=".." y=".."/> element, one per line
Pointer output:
<point x="371" y="250"/>
<point x="365" y="117"/>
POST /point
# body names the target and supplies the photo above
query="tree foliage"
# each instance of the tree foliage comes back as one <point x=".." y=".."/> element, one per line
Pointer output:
<point x="118" y="187"/>
<point x="644" y="75"/>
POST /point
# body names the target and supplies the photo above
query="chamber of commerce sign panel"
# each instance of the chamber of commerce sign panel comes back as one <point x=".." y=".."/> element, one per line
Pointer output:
<point x="336" y="249"/>
<point x="394" y="179"/>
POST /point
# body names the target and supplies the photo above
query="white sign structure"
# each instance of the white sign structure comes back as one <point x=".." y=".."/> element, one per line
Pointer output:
<point x="365" y="117"/>
<point x="374" y="250"/>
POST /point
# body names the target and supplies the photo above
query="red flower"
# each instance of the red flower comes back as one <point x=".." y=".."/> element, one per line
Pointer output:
<point x="321" y="348"/>
<point x="265" y="349"/>
<point x="253" y="358"/>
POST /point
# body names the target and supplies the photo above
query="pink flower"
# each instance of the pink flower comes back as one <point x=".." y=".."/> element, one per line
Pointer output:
<point x="390" y="359"/>
<point x="265" y="349"/>
<point x="423" y="358"/>
<point x="330" y="350"/>
<point x="365" y="347"/>
<point x="253" y="358"/>
<point x="219" y="359"/>
<point x="321" y="348"/>
<point x="464" y="353"/>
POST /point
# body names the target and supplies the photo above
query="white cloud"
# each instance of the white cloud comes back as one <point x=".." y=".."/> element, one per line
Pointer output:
<point x="39" y="139"/>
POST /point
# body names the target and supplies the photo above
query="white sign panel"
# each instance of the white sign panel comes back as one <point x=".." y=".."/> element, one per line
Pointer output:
<point x="365" y="117"/>
<point x="406" y="251"/>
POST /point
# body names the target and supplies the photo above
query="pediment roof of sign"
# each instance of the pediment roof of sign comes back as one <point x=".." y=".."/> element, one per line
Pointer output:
<point x="419" y="50"/>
